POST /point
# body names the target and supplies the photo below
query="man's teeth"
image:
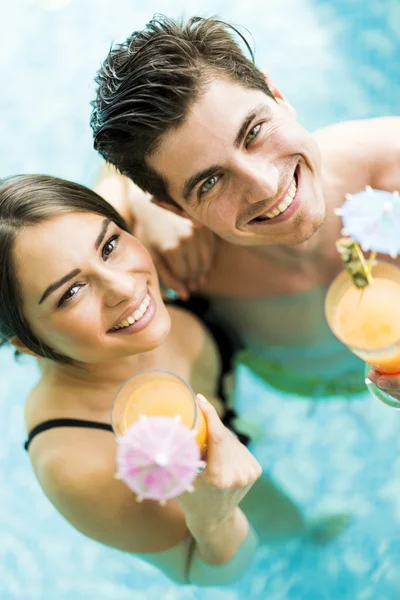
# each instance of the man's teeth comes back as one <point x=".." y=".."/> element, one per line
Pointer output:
<point x="287" y="201"/>
<point x="136" y="316"/>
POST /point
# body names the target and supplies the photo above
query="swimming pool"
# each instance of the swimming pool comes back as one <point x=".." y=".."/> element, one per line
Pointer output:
<point x="335" y="60"/>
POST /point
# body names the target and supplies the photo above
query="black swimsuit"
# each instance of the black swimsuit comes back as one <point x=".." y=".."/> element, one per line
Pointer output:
<point x="227" y="347"/>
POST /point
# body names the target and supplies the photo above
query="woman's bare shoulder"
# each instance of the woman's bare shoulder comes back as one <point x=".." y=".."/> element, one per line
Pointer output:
<point x="189" y="334"/>
<point x="193" y="343"/>
<point x="77" y="474"/>
<point x="52" y="400"/>
<point x="38" y="403"/>
<point x="76" y="466"/>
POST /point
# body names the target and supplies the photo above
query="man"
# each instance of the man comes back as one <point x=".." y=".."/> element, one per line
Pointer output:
<point x="187" y="117"/>
<point x="182" y="113"/>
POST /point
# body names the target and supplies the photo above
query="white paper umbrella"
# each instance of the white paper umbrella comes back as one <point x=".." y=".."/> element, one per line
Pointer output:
<point x="158" y="458"/>
<point x="372" y="219"/>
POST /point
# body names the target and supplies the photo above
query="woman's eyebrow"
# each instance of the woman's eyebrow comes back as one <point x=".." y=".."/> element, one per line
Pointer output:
<point x="102" y="233"/>
<point x="54" y="286"/>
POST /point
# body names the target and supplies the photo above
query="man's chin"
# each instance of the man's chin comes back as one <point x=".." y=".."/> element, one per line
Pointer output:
<point x="295" y="237"/>
<point x="306" y="234"/>
<point x="309" y="234"/>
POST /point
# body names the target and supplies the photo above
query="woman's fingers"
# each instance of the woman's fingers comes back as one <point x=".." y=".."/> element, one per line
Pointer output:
<point x="229" y="462"/>
<point x="216" y="429"/>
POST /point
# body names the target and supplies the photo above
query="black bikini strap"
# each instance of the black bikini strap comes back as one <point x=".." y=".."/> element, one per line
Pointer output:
<point x="65" y="423"/>
<point x="229" y="416"/>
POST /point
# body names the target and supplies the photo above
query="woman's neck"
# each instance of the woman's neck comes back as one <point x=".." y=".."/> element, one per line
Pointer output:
<point x="92" y="376"/>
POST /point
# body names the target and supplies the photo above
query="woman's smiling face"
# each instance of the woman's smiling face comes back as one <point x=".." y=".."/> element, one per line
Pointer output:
<point x="89" y="290"/>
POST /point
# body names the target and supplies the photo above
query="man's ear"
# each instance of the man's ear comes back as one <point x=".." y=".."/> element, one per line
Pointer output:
<point x="20" y="346"/>
<point x="276" y="92"/>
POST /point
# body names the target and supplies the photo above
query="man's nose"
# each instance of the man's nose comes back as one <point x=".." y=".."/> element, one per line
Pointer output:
<point x="261" y="181"/>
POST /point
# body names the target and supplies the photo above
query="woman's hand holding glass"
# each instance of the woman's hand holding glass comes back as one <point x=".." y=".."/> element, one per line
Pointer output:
<point x="230" y="473"/>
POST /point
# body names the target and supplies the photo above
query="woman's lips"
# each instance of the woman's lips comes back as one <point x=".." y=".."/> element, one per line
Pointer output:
<point x="141" y="323"/>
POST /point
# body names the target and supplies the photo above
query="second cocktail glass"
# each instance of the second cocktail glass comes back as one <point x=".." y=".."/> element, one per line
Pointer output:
<point x="367" y="320"/>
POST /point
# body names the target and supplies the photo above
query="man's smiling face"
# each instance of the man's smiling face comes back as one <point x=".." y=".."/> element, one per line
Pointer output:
<point x="243" y="166"/>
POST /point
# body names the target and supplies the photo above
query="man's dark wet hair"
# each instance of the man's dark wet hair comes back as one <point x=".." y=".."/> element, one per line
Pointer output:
<point x="148" y="84"/>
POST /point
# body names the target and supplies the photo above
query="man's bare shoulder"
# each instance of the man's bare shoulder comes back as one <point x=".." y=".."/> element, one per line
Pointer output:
<point x="371" y="138"/>
<point x="360" y="153"/>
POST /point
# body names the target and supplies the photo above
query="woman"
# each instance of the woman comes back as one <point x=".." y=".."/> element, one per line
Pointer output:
<point x="71" y="274"/>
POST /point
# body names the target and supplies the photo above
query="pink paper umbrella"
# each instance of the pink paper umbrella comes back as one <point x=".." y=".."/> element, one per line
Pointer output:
<point x="158" y="458"/>
<point x="372" y="219"/>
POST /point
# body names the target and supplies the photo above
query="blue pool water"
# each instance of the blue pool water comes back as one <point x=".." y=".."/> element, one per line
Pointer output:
<point x="335" y="60"/>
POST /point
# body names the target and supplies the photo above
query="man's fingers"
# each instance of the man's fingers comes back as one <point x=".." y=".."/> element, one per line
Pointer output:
<point x="389" y="383"/>
<point x="193" y="262"/>
<point x="175" y="260"/>
<point x="207" y="253"/>
<point x="170" y="280"/>
<point x="373" y="376"/>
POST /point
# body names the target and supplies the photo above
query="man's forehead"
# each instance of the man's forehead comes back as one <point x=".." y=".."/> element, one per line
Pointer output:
<point x="222" y="98"/>
<point x="209" y="130"/>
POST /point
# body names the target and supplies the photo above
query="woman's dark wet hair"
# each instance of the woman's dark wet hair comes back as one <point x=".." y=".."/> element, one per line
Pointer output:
<point x="27" y="200"/>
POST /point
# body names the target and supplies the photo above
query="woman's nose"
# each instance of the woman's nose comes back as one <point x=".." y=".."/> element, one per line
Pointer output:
<point x="117" y="287"/>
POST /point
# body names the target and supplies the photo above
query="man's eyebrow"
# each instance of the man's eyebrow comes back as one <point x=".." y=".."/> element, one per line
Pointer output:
<point x="54" y="286"/>
<point x="102" y="233"/>
<point x="253" y="114"/>
<point x="191" y="183"/>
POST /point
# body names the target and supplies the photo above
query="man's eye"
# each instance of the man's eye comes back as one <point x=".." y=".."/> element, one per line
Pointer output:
<point x="253" y="133"/>
<point x="109" y="246"/>
<point x="209" y="184"/>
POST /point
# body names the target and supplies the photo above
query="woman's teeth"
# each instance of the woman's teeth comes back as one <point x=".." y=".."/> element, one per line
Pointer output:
<point x="136" y="316"/>
<point x="287" y="201"/>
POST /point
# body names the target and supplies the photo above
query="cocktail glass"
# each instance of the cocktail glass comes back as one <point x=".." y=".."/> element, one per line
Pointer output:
<point x="158" y="393"/>
<point x="161" y="433"/>
<point x="367" y="320"/>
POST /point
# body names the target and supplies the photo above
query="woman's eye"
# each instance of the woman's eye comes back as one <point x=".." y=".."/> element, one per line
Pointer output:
<point x="109" y="246"/>
<point x="253" y="133"/>
<point x="69" y="293"/>
<point x="209" y="184"/>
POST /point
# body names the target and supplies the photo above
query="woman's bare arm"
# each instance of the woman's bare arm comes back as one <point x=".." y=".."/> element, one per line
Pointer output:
<point x="76" y="469"/>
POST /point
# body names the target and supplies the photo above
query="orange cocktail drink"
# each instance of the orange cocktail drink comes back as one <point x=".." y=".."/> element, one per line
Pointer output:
<point x="368" y="320"/>
<point x="158" y="393"/>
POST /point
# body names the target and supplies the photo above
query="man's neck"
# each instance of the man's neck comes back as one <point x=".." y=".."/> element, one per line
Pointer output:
<point x="290" y="255"/>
